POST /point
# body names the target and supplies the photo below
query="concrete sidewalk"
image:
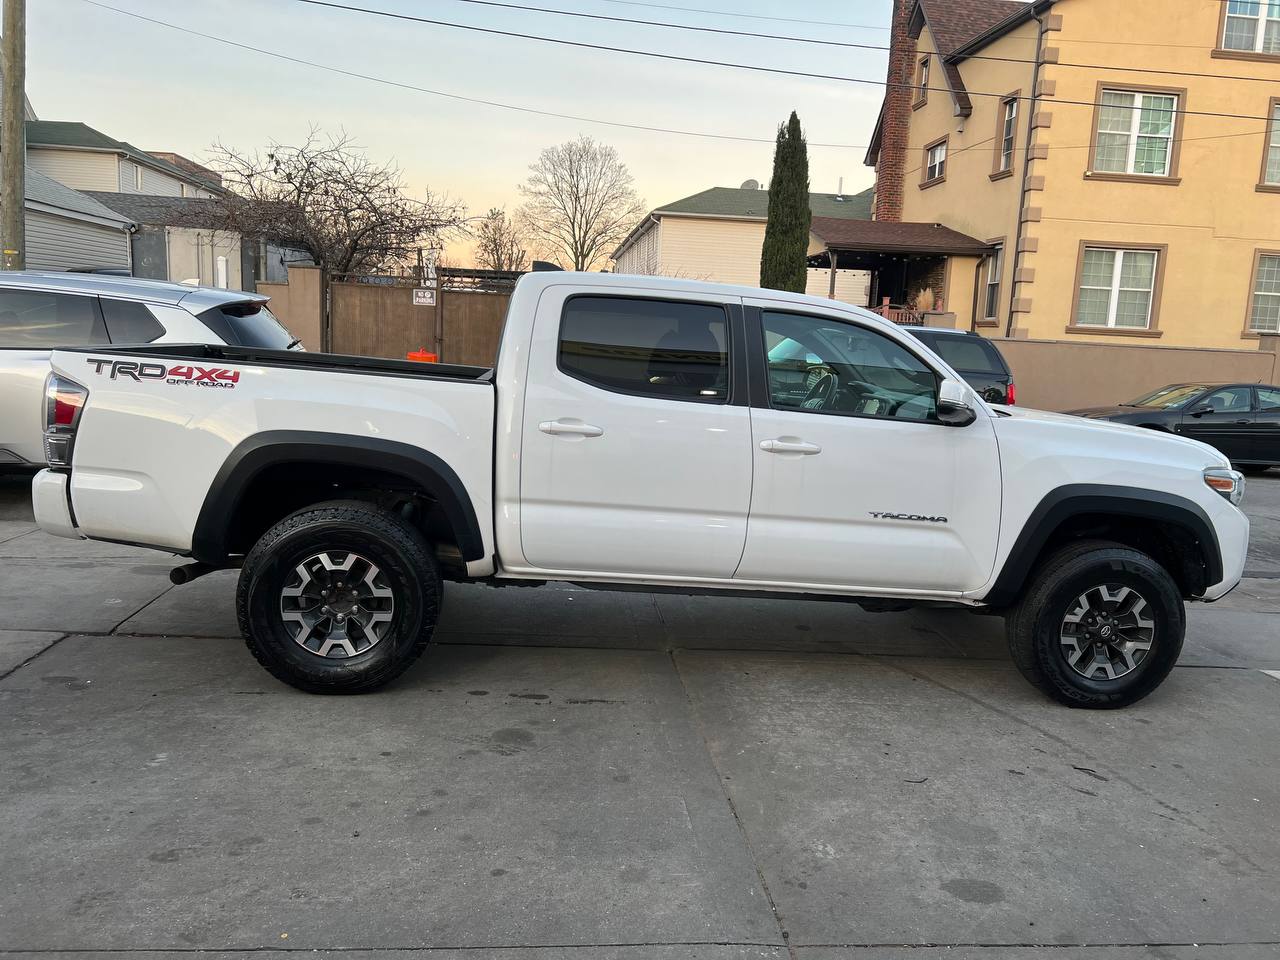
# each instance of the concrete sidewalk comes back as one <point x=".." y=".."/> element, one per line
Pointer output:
<point x="619" y="776"/>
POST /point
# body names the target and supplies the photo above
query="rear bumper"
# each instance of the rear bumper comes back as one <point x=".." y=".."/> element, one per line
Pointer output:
<point x="50" y="498"/>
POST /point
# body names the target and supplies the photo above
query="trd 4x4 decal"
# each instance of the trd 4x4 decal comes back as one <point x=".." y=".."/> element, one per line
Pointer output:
<point x="181" y="374"/>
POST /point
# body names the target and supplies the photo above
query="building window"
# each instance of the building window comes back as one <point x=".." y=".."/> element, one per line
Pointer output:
<point x="995" y="266"/>
<point x="1264" y="311"/>
<point x="137" y="177"/>
<point x="922" y="83"/>
<point x="1008" y="134"/>
<point x="1271" y="154"/>
<point x="1117" y="288"/>
<point x="935" y="163"/>
<point x="1252" y="26"/>
<point x="1136" y="133"/>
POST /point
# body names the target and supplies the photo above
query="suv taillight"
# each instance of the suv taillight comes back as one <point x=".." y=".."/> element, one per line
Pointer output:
<point x="1012" y="397"/>
<point x="63" y="401"/>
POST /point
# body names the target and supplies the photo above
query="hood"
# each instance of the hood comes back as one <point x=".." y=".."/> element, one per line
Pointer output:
<point x="1155" y="444"/>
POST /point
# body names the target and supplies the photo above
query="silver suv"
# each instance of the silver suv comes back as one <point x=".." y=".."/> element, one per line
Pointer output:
<point x="41" y="311"/>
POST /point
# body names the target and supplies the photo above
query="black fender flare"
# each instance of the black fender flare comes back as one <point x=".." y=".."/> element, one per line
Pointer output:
<point x="1063" y="503"/>
<point x="273" y="447"/>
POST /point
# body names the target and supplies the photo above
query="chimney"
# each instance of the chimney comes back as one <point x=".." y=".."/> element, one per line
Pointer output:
<point x="892" y="164"/>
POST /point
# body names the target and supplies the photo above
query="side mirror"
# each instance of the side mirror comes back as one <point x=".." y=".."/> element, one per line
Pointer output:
<point x="955" y="407"/>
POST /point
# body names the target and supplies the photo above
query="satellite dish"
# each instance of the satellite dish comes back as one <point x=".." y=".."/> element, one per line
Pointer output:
<point x="750" y="185"/>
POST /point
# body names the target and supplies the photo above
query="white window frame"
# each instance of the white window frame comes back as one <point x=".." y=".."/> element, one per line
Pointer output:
<point x="1256" y="293"/>
<point x="1272" y="145"/>
<point x="922" y="88"/>
<point x="1260" y="22"/>
<point x="995" y="271"/>
<point x="137" y="177"/>
<point x="1113" y="303"/>
<point x="939" y="165"/>
<point x="1135" y="126"/>
<point x="1009" y="133"/>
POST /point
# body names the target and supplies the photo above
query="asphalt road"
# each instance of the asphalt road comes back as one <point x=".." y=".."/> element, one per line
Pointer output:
<point x="621" y="776"/>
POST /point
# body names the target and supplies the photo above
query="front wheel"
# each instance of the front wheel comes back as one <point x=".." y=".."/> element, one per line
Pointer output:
<point x="341" y="597"/>
<point x="1100" y="626"/>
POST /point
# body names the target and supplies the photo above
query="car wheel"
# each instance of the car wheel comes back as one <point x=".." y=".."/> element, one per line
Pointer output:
<point x="341" y="597"/>
<point x="1100" y="626"/>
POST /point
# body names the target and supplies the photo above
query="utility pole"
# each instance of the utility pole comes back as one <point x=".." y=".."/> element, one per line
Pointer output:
<point x="13" y="137"/>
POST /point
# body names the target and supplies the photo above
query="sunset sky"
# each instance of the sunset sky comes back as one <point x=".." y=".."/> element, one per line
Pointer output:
<point x="162" y="89"/>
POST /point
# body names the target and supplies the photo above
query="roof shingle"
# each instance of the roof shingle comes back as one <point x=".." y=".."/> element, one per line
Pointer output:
<point x="884" y="236"/>
<point x="954" y="23"/>
<point x="754" y="204"/>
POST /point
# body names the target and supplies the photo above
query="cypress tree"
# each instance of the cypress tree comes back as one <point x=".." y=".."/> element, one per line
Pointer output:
<point x="786" y="237"/>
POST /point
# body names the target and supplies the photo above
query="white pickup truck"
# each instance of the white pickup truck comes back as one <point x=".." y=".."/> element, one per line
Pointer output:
<point x="641" y="432"/>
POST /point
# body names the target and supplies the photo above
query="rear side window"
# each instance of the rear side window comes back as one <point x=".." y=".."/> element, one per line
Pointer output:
<point x="971" y="354"/>
<point x="656" y="348"/>
<point x="247" y="325"/>
<point x="35" y="320"/>
<point x="130" y="322"/>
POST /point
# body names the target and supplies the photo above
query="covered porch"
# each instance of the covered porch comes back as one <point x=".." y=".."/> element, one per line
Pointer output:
<point x="920" y="272"/>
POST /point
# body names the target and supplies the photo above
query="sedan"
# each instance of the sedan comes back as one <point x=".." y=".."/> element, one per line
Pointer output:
<point x="1242" y="420"/>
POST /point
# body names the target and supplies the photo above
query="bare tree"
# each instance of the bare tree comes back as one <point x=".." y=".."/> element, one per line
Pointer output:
<point x="580" y="202"/>
<point x="326" y="197"/>
<point x="501" y="243"/>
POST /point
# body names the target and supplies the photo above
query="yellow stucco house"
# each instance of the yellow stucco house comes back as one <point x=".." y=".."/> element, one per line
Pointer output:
<point x="717" y="235"/>
<point x="1119" y="161"/>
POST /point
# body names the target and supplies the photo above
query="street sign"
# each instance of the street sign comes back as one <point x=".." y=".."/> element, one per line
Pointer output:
<point x="422" y="297"/>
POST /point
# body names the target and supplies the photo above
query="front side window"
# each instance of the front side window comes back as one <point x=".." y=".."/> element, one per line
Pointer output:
<point x="1252" y="26"/>
<point x="1268" y="399"/>
<point x="1136" y="133"/>
<point x="995" y="264"/>
<point x="1264" y="313"/>
<point x="1230" y="400"/>
<point x="36" y="320"/>
<point x="1271" y="162"/>
<point x="823" y="365"/>
<point x="1008" y="133"/>
<point x="1117" y="288"/>
<point x="935" y="165"/>
<point x="657" y="348"/>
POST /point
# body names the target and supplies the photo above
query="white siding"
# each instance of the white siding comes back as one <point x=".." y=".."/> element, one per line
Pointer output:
<point x="852" y="286"/>
<point x="643" y="257"/>
<point x="157" y="184"/>
<point x="78" y="169"/>
<point x="128" y="176"/>
<point x="724" y="251"/>
<point x="55" y="243"/>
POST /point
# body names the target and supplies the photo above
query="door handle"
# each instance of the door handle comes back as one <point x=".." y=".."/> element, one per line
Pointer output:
<point x="1243" y="423"/>
<point x="570" y="428"/>
<point x="790" y="446"/>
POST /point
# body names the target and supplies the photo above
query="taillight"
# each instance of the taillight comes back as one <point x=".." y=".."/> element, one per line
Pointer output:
<point x="1012" y="397"/>
<point x="63" y="401"/>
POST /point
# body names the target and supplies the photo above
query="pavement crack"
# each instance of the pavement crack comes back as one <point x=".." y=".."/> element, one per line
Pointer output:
<point x="162" y="593"/>
<point x="733" y="809"/>
<point x="35" y="656"/>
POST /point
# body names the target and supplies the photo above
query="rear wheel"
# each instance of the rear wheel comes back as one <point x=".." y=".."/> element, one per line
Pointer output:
<point x="1100" y="626"/>
<point x="341" y="597"/>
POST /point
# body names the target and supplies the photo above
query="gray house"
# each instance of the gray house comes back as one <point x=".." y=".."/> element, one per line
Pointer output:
<point x="67" y="230"/>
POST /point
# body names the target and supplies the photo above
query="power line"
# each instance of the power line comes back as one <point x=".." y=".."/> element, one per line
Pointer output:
<point x="880" y="48"/>
<point x="750" y="16"/>
<point x="329" y="4"/>
<point x="330" y="68"/>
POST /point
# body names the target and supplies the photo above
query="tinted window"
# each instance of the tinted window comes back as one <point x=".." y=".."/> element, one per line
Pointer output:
<point x="1230" y="400"/>
<point x="970" y="354"/>
<point x="658" y="348"/>
<point x="1169" y="398"/>
<point x="33" y="319"/>
<point x="130" y="322"/>
<point x="1269" y="399"/>
<point x="826" y="366"/>
<point x="247" y="325"/>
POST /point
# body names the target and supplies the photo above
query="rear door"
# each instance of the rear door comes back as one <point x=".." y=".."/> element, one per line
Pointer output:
<point x="1224" y="419"/>
<point x="32" y="323"/>
<point x="636" y="440"/>
<point x="1266" y="440"/>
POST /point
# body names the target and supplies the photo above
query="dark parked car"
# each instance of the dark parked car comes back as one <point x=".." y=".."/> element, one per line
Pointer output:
<point x="1240" y="419"/>
<point x="974" y="357"/>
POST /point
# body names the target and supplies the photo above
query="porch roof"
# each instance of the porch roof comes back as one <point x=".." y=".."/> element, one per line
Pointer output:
<point x="883" y="236"/>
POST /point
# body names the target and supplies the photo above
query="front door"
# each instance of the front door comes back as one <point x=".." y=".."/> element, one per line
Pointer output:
<point x="857" y="485"/>
<point x="636" y="449"/>
<point x="1224" y="419"/>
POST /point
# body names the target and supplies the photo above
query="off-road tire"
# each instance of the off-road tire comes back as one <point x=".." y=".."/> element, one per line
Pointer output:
<point x="406" y="562"/>
<point x="1034" y="626"/>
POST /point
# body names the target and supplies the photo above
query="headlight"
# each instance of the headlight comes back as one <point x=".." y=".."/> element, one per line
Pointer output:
<point x="1229" y="483"/>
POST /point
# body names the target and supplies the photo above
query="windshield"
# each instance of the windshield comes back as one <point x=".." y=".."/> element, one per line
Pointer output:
<point x="248" y="325"/>
<point x="1169" y="398"/>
